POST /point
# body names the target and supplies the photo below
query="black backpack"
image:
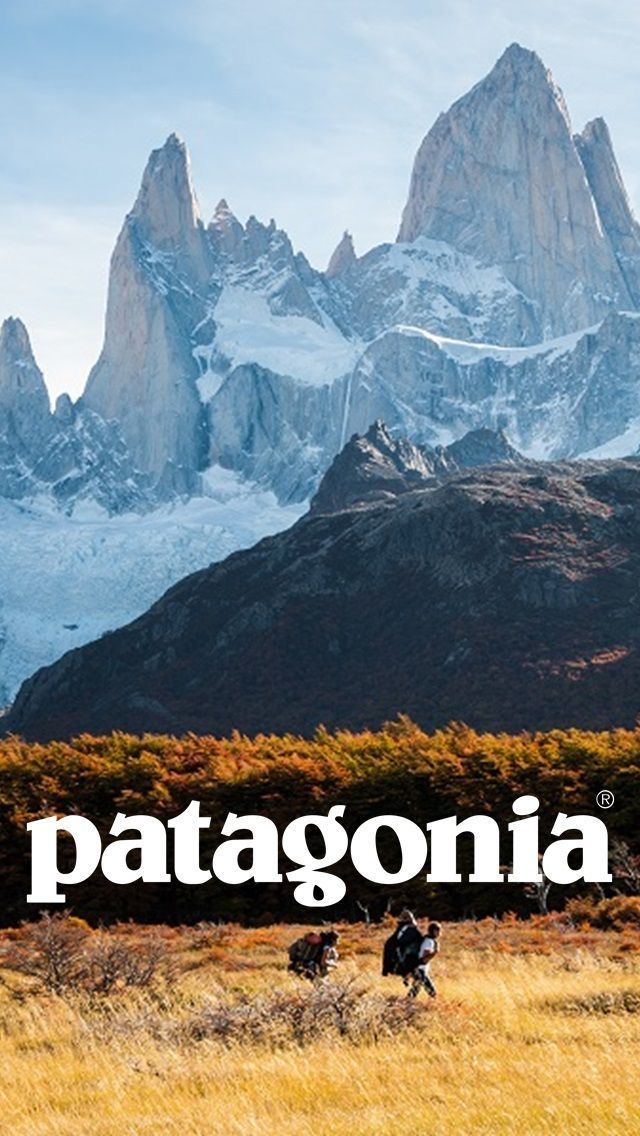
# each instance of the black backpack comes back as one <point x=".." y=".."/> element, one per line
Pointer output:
<point x="401" y="952"/>
<point x="390" y="955"/>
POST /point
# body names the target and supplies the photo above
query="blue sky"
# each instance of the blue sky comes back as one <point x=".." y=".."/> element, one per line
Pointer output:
<point x="308" y="111"/>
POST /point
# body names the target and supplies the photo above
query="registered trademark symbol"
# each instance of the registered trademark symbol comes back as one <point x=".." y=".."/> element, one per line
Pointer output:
<point x="605" y="798"/>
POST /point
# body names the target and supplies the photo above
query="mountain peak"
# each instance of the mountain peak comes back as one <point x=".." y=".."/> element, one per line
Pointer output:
<point x="160" y="272"/>
<point x="343" y="256"/>
<point x="166" y="207"/>
<point x="499" y="177"/>
<point x="24" y="402"/>
<point x="378" y="433"/>
<point x="598" y="158"/>
<point x="378" y="466"/>
<point x="372" y="467"/>
<point x="521" y="69"/>
<point x="520" y="58"/>
<point x="225" y="230"/>
<point x="483" y="447"/>
<point x="15" y="345"/>
<point x="596" y="128"/>
<point x="224" y="218"/>
<point x="174" y="141"/>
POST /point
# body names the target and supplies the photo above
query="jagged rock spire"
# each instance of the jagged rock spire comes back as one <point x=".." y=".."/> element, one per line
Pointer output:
<point x="14" y="339"/>
<point x="222" y="212"/>
<point x="605" y="180"/>
<point x="24" y="402"/>
<point x="343" y="256"/>
<point x="499" y="177"/>
<point x="166" y="205"/>
<point x="225" y="230"/>
<point x="166" y="214"/>
<point x="146" y="374"/>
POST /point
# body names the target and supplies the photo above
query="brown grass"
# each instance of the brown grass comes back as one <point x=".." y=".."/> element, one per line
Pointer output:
<point x="536" y="1030"/>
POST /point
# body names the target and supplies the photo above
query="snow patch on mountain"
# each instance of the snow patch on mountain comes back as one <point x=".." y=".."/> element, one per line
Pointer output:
<point x="247" y="331"/>
<point x="430" y="283"/>
<point x="426" y="259"/>
<point x="463" y="351"/>
<point x="622" y="446"/>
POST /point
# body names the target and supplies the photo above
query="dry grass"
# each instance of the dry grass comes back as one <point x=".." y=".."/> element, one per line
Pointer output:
<point x="536" y="1030"/>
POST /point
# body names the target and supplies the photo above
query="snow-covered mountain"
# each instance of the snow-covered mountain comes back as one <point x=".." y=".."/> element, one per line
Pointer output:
<point x="232" y="372"/>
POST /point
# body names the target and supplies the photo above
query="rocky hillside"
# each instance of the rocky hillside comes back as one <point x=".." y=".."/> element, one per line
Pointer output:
<point x="506" y="596"/>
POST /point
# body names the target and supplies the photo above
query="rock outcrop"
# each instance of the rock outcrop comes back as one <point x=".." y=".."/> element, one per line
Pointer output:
<point x="373" y="467"/>
<point x="25" y="419"/>
<point x="376" y="466"/>
<point x="605" y="181"/>
<point x="343" y="257"/>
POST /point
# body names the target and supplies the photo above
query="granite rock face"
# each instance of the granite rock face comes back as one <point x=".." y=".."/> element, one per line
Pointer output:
<point x="499" y="177"/>
<point x="343" y="257"/>
<point x="571" y="396"/>
<point x="605" y="181"/>
<point x="145" y="377"/>
<point x="25" y="418"/>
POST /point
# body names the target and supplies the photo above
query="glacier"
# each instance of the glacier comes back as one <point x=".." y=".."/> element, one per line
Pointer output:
<point x="66" y="578"/>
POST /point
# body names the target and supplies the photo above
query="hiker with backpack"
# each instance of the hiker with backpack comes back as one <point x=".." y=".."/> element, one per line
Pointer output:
<point x="408" y="953"/>
<point x="401" y="953"/>
<point x="314" y="955"/>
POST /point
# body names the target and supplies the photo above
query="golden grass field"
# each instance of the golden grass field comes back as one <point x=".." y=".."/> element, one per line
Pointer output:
<point x="536" y="1029"/>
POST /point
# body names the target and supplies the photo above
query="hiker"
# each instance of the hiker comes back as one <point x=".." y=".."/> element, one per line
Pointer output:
<point x="314" y="955"/>
<point x="401" y="952"/>
<point x="429" y="947"/>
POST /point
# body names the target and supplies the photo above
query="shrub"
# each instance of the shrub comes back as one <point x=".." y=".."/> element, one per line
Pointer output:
<point x="614" y="914"/>
<point x="310" y="1016"/>
<point x="63" y="954"/>
<point x="601" y="1003"/>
